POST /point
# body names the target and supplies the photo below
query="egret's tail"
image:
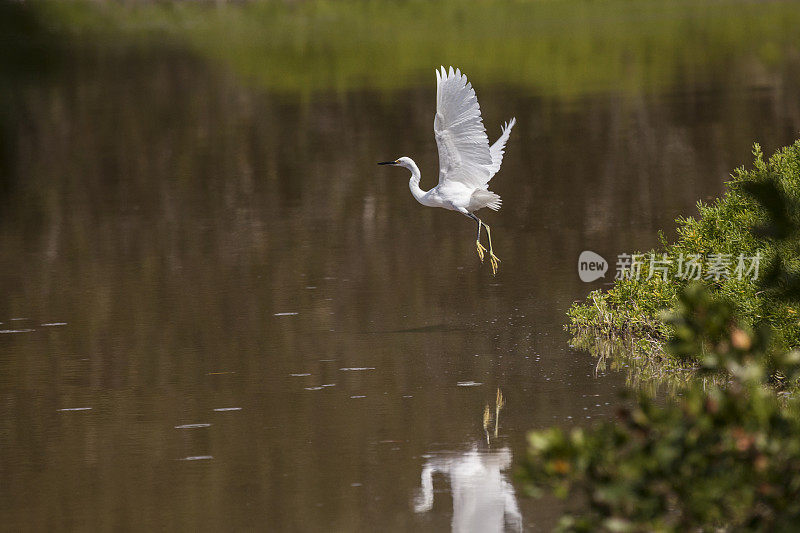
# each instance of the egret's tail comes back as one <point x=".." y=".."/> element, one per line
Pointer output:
<point x="495" y="202"/>
<point x="483" y="198"/>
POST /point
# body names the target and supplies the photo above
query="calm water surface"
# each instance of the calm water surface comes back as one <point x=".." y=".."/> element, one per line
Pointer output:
<point x="220" y="314"/>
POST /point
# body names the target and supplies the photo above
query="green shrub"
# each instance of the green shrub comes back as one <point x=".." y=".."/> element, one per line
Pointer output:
<point x="634" y="306"/>
<point x="723" y="455"/>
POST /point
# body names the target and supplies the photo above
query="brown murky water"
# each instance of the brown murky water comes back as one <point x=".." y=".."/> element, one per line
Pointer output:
<point x="219" y="314"/>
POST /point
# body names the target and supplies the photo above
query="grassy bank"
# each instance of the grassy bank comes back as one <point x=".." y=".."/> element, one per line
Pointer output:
<point x="634" y="306"/>
<point x="555" y="47"/>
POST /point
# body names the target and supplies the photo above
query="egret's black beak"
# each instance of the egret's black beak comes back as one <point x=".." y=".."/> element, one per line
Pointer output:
<point x="388" y="163"/>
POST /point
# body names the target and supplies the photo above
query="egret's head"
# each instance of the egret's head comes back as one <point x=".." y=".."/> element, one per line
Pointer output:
<point x="405" y="162"/>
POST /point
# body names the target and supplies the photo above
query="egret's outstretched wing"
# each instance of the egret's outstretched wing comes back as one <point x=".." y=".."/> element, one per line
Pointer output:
<point x="463" y="145"/>
<point x="498" y="148"/>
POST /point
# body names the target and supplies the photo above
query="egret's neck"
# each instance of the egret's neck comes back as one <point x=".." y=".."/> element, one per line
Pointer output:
<point x="413" y="183"/>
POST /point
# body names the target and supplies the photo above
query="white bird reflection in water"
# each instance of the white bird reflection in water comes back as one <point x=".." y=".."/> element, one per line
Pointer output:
<point x="483" y="498"/>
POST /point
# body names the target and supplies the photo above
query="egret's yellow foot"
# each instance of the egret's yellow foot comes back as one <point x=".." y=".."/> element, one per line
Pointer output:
<point x="481" y="250"/>
<point x="494" y="260"/>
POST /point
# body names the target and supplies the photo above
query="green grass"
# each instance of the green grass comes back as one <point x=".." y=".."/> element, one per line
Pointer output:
<point x="564" y="48"/>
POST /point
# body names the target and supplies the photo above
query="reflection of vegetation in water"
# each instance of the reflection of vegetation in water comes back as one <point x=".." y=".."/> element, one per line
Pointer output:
<point x="564" y="48"/>
<point x="27" y="53"/>
<point x="645" y="369"/>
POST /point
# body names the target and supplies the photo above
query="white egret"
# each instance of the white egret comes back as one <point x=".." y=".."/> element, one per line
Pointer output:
<point x="466" y="161"/>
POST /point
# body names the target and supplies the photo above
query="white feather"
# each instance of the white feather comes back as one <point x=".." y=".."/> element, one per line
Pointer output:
<point x="498" y="148"/>
<point x="464" y="154"/>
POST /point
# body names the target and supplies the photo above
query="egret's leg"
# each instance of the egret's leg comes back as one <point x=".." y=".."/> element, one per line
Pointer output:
<point x="478" y="244"/>
<point x="492" y="258"/>
<point x="481" y="249"/>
